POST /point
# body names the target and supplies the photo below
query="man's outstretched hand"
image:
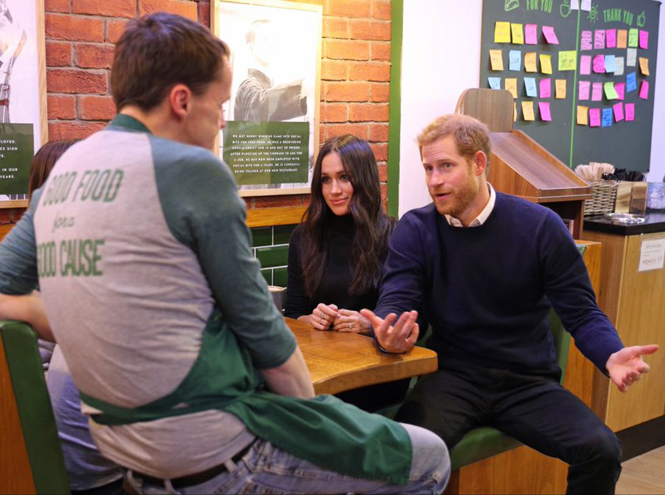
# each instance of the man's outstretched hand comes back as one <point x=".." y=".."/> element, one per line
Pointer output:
<point x="626" y="366"/>
<point x="398" y="338"/>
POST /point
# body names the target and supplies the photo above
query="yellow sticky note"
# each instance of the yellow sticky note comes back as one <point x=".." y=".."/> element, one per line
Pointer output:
<point x="530" y="62"/>
<point x="502" y="32"/>
<point x="518" y="33"/>
<point x="527" y="110"/>
<point x="644" y="66"/>
<point x="511" y="85"/>
<point x="496" y="58"/>
<point x="622" y="38"/>
<point x="560" y="85"/>
<point x="582" y="115"/>
<point x="567" y="60"/>
<point x="514" y="111"/>
<point x="545" y="63"/>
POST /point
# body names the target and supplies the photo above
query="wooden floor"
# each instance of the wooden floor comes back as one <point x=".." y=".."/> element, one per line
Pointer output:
<point x="644" y="474"/>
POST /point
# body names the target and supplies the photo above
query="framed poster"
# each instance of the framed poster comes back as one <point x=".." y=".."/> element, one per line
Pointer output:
<point x="23" y="121"/>
<point x="272" y="117"/>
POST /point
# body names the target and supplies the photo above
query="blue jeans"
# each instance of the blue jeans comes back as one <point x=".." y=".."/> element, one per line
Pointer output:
<point x="266" y="469"/>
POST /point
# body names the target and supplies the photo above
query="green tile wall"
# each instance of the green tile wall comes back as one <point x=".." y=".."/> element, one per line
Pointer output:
<point x="270" y="245"/>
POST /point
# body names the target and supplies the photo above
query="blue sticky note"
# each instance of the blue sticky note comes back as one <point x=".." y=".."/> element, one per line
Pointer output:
<point x="515" y="57"/>
<point x="631" y="82"/>
<point x="495" y="82"/>
<point x="530" y="87"/>
<point x="607" y="118"/>
<point x="610" y="63"/>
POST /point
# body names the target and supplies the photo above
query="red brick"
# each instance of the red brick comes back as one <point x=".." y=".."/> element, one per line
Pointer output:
<point x="333" y="70"/>
<point x="370" y="30"/>
<point x="75" y="81"/>
<point x="57" y="6"/>
<point x="345" y="91"/>
<point x="58" y="54"/>
<point x="369" y="72"/>
<point x="94" y="56"/>
<point x="379" y="132"/>
<point x="334" y="113"/>
<point x="335" y="28"/>
<point x="306" y="199"/>
<point x="10" y="216"/>
<point x="379" y="92"/>
<point x="347" y="8"/>
<point x="114" y="29"/>
<point x="346" y="50"/>
<point x="332" y="130"/>
<point x="96" y="108"/>
<point x="109" y="8"/>
<point x="74" y="28"/>
<point x="381" y="10"/>
<point x="276" y="201"/>
<point x="73" y="130"/>
<point x="368" y="113"/>
<point x="204" y="13"/>
<point x="380" y="50"/>
<point x="383" y="172"/>
<point x="248" y="203"/>
<point x="184" y="8"/>
<point x="60" y="107"/>
<point x="384" y="195"/>
<point x="380" y="151"/>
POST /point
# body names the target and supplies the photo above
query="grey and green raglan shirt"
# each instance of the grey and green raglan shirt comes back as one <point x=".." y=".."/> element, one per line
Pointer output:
<point x="135" y="240"/>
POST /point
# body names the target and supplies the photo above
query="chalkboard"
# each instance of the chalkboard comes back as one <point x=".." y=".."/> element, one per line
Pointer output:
<point x="625" y="144"/>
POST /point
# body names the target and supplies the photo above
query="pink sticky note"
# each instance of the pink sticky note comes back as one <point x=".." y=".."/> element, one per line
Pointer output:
<point x="644" y="40"/>
<point x="630" y="112"/>
<point x="584" y="90"/>
<point x="618" y="111"/>
<point x="599" y="64"/>
<point x="545" y="88"/>
<point x="587" y="40"/>
<point x="544" y="107"/>
<point x="644" y="90"/>
<point x="597" y="91"/>
<point x="620" y="88"/>
<point x="611" y="38"/>
<point x="550" y="35"/>
<point x="594" y="117"/>
<point x="531" y="34"/>
<point x="599" y="39"/>
<point x="585" y="64"/>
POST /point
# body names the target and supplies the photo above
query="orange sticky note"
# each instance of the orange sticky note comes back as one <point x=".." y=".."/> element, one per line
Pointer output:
<point x="530" y="62"/>
<point x="496" y="59"/>
<point x="511" y="85"/>
<point x="560" y="85"/>
<point x="514" y="111"/>
<point x="502" y="32"/>
<point x="582" y="115"/>
<point x="644" y="66"/>
<point x="622" y="38"/>
<point x="518" y="33"/>
<point x="545" y="63"/>
<point x="527" y="110"/>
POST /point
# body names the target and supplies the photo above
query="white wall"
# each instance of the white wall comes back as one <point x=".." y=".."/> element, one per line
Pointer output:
<point x="440" y="59"/>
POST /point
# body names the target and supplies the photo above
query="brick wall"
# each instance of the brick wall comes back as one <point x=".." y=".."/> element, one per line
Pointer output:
<point x="355" y="68"/>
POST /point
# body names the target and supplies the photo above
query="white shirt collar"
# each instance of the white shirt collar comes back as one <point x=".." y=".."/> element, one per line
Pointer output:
<point x="482" y="217"/>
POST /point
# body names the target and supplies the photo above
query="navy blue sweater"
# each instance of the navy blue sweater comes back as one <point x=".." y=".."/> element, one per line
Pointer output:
<point x="487" y="290"/>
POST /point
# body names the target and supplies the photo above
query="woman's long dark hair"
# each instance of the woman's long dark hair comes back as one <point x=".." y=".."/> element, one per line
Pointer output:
<point x="372" y="225"/>
<point x="43" y="161"/>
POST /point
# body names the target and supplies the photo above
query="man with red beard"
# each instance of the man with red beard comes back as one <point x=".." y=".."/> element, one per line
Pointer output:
<point x="484" y="269"/>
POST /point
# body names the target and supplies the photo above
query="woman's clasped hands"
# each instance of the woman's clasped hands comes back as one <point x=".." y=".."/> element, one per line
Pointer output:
<point x="330" y="317"/>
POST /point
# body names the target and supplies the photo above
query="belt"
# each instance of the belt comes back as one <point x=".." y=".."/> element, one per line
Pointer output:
<point x="196" y="478"/>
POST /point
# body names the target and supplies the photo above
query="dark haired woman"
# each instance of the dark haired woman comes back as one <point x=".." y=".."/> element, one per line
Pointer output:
<point x="335" y="254"/>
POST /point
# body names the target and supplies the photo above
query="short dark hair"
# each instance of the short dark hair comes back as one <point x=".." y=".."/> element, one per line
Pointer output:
<point x="43" y="162"/>
<point x="158" y="51"/>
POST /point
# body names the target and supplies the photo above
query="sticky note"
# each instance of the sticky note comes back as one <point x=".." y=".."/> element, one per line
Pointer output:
<point x="494" y="82"/>
<point x="560" y="89"/>
<point x="599" y="39"/>
<point x="631" y="57"/>
<point x="496" y="59"/>
<point x="518" y="33"/>
<point x="644" y="90"/>
<point x="527" y="110"/>
<point x="530" y="87"/>
<point x="575" y="5"/>
<point x="644" y="66"/>
<point x="610" y="64"/>
<point x="502" y="32"/>
<point x="511" y="85"/>
<point x="546" y="88"/>
<point x="567" y="60"/>
<point x="599" y="64"/>
<point x="644" y="40"/>
<point x="622" y="38"/>
<point x="633" y="35"/>
<point x="530" y="62"/>
<point x="582" y="115"/>
<point x="607" y="118"/>
<point x="631" y="82"/>
<point x="620" y="88"/>
<point x="550" y="35"/>
<point x="594" y="117"/>
<point x="514" y="112"/>
<point x="630" y="112"/>
<point x="619" y="62"/>
<point x="587" y="40"/>
<point x="531" y="34"/>
<point x="597" y="91"/>
<point x="584" y="87"/>
<point x="586" y="5"/>
<point x="545" y="114"/>
<point x="545" y="63"/>
<point x="515" y="60"/>
<point x="618" y="112"/>
<point x="610" y="92"/>
<point x="611" y="38"/>
<point x="585" y="65"/>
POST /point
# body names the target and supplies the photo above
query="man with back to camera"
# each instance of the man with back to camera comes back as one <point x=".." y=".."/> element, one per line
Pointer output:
<point x="485" y="268"/>
<point x="138" y="241"/>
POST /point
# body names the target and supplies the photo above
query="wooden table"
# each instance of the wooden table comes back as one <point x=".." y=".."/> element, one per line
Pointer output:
<point x="344" y="361"/>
